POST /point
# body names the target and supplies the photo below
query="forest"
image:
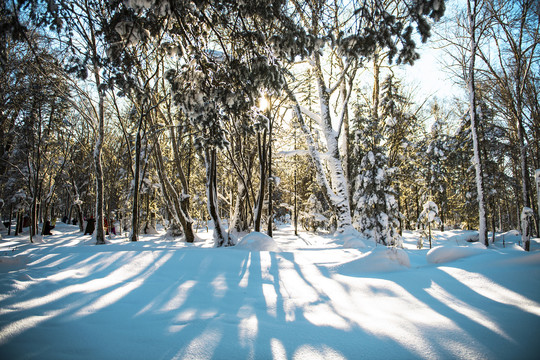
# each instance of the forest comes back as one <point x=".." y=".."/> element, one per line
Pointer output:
<point x="250" y="114"/>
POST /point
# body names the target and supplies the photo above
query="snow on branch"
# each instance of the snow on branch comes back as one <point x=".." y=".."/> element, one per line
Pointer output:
<point x="311" y="114"/>
<point x="315" y="155"/>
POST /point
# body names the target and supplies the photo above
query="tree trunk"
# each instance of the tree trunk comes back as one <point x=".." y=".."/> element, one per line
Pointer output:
<point x="221" y="238"/>
<point x="270" y="181"/>
<point x="33" y="218"/>
<point x="100" y="235"/>
<point x="337" y="195"/>
<point x="376" y="85"/>
<point x="239" y="222"/>
<point x="482" y="230"/>
<point x="134" y="236"/>
<point x="429" y="233"/>
<point x="174" y="202"/>
<point x="261" y="144"/>
<point x="295" y="187"/>
<point x="10" y="219"/>
<point x="18" y="223"/>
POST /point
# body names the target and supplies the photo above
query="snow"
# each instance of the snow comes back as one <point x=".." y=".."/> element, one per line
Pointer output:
<point x="380" y="259"/>
<point x="257" y="241"/>
<point x="442" y="254"/>
<point x="313" y="299"/>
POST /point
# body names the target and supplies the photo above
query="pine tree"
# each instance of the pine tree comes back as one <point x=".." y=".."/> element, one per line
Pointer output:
<point x="436" y="158"/>
<point x="376" y="213"/>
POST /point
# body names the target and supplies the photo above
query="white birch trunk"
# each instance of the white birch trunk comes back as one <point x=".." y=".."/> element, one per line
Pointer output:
<point x="339" y="197"/>
<point x="336" y="194"/>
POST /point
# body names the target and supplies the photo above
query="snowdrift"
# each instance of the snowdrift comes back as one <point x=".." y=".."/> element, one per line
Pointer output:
<point x="380" y="259"/>
<point x="351" y="239"/>
<point x="442" y="254"/>
<point x="257" y="241"/>
<point x="10" y="263"/>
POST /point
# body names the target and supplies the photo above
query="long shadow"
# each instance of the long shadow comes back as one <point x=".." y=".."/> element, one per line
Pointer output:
<point x="66" y="305"/>
<point x="250" y="321"/>
<point x="495" y="327"/>
<point x="228" y="303"/>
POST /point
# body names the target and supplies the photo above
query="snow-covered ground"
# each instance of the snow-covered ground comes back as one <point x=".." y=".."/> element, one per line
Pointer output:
<point x="311" y="297"/>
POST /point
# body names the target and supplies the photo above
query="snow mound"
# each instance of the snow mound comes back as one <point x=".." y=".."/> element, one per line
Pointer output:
<point x="351" y="239"/>
<point x="10" y="263"/>
<point x="354" y="243"/>
<point x="38" y="239"/>
<point x="257" y="241"/>
<point x="442" y="254"/>
<point x="380" y="259"/>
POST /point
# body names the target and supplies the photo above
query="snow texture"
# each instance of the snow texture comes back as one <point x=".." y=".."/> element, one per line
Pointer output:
<point x="315" y="299"/>
<point x="381" y="259"/>
<point x="442" y="254"/>
<point x="257" y="241"/>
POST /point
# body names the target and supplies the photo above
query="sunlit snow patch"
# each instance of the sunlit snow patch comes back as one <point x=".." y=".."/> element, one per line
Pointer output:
<point x="257" y="241"/>
<point x="380" y="259"/>
<point x="442" y="254"/>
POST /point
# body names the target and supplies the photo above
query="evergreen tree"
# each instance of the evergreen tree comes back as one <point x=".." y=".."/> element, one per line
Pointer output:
<point x="376" y="213"/>
<point x="436" y="158"/>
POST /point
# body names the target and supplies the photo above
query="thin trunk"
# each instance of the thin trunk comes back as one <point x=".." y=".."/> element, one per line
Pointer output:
<point x="33" y="219"/>
<point x="270" y="183"/>
<point x="134" y="236"/>
<point x="537" y="179"/>
<point x="100" y="234"/>
<point x="429" y="233"/>
<point x="261" y="144"/>
<point x="493" y="223"/>
<point x="482" y="230"/>
<point x="400" y="218"/>
<point x="18" y="223"/>
<point x="295" y="187"/>
<point x="10" y="219"/>
<point x="345" y="133"/>
<point x="376" y="85"/>
<point x="221" y="238"/>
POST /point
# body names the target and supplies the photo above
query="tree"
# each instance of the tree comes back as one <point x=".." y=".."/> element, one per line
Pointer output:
<point x="474" y="28"/>
<point x="517" y="22"/>
<point x="436" y="161"/>
<point x="34" y="92"/>
<point x="376" y="210"/>
<point x="82" y="26"/>
<point x="368" y="27"/>
<point x="428" y="217"/>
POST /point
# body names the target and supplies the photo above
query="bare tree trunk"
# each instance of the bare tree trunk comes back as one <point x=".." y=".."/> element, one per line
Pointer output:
<point x="134" y="236"/>
<point x="337" y="194"/>
<point x="172" y="199"/>
<point x="185" y="218"/>
<point x="221" y="238"/>
<point x="482" y="230"/>
<point x="261" y="144"/>
<point x="10" y="219"/>
<point x="18" y="223"/>
<point x="238" y="222"/>
<point x="270" y="180"/>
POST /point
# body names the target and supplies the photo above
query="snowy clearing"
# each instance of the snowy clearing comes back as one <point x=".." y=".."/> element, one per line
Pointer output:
<point x="310" y="298"/>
